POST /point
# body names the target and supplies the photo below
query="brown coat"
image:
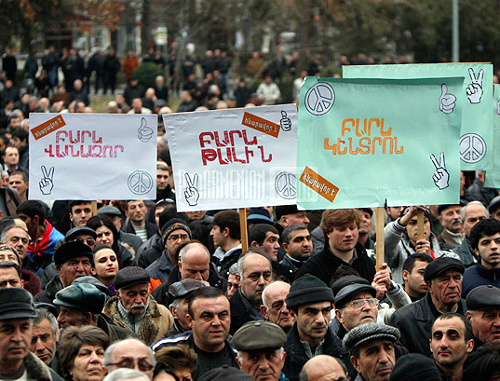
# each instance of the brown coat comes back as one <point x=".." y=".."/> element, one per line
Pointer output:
<point x="157" y="322"/>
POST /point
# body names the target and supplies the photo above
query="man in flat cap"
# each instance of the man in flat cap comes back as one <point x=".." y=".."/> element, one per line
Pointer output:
<point x="414" y="321"/>
<point x="134" y="308"/>
<point x="483" y="311"/>
<point x="179" y="293"/>
<point x="260" y="350"/>
<point x="355" y="304"/>
<point x="371" y="347"/>
<point x="485" y="241"/>
<point x="72" y="260"/>
<point x="16" y="323"/>
<point x="81" y="304"/>
<point x="310" y="302"/>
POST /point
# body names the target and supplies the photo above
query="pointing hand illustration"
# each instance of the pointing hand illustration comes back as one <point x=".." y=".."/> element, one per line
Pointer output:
<point x="446" y="101"/>
<point x="475" y="89"/>
<point x="145" y="133"/>
<point x="441" y="176"/>
<point x="191" y="194"/>
<point x="46" y="183"/>
<point x="285" y="122"/>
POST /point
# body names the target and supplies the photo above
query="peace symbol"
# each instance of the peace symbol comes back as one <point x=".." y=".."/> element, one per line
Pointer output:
<point x="140" y="182"/>
<point x="286" y="185"/>
<point x="472" y="148"/>
<point x="319" y="99"/>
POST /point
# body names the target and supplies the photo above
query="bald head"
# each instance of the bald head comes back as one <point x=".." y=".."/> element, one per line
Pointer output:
<point x="322" y="368"/>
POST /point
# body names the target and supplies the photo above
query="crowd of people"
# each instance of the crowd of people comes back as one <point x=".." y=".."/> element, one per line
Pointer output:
<point x="134" y="290"/>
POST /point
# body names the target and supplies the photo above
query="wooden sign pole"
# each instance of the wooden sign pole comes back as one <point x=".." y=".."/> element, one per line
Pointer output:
<point x="420" y="224"/>
<point x="243" y="229"/>
<point x="380" y="237"/>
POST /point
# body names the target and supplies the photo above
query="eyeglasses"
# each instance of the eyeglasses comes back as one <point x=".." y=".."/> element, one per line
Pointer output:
<point x="176" y="237"/>
<point x="129" y="363"/>
<point x="88" y="241"/>
<point x="359" y="303"/>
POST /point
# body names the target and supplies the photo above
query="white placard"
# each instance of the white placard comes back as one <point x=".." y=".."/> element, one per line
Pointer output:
<point x="234" y="158"/>
<point x="92" y="156"/>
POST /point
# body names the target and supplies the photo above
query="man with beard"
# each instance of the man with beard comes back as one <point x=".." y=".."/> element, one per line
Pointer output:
<point x="254" y="273"/>
<point x="134" y="308"/>
<point x="453" y="233"/>
<point x="310" y="303"/>
<point x="274" y="306"/>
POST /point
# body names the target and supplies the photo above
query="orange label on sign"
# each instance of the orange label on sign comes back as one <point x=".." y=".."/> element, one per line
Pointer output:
<point x="49" y="126"/>
<point x="319" y="184"/>
<point x="260" y="124"/>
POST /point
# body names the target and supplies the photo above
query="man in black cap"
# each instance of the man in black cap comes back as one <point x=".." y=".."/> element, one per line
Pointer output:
<point x="82" y="234"/>
<point x="82" y="304"/>
<point x="134" y="308"/>
<point x="179" y="294"/>
<point x="483" y="311"/>
<point x="72" y="260"/>
<point x="310" y="302"/>
<point x="415" y="367"/>
<point x="175" y="233"/>
<point x="450" y="217"/>
<point x="260" y="350"/>
<point x="444" y="281"/>
<point x="371" y="347"/>
<point x="494" y="208"/>
<point x="485" y="241"/>
<point x="451" y="341"/>
<point x="16" y="323"/>
<point x="355" y="304"/>
<point x="287" y="215"/>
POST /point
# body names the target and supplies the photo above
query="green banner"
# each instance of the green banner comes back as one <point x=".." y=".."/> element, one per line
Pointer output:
<point x="493" y="175"/>
<point x="364" y="141"/>
<point x="476" y="134"/>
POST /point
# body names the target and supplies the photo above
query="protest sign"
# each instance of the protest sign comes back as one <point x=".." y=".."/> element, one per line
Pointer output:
<point x="476" y="136"/>
<point x="92" y="156"/>
<point x="234" y="158"/>
<point x="492" y="179"/>
<point x="362" y="141"/>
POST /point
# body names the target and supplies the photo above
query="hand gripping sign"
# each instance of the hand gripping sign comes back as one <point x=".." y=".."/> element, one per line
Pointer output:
<point x="375" y="142"/>
<point x="92" y="156"/>
<point x="234" y="158"/>
<point x="476" y="94"/>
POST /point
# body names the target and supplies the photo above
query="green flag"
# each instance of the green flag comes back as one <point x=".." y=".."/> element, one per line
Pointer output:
<point x="476" y="134"/>
<point x="362" y="141"/>
<point x="493" y="175"/>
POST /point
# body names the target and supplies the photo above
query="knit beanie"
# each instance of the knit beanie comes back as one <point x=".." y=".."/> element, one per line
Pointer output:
<point x="306" y="290"/>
